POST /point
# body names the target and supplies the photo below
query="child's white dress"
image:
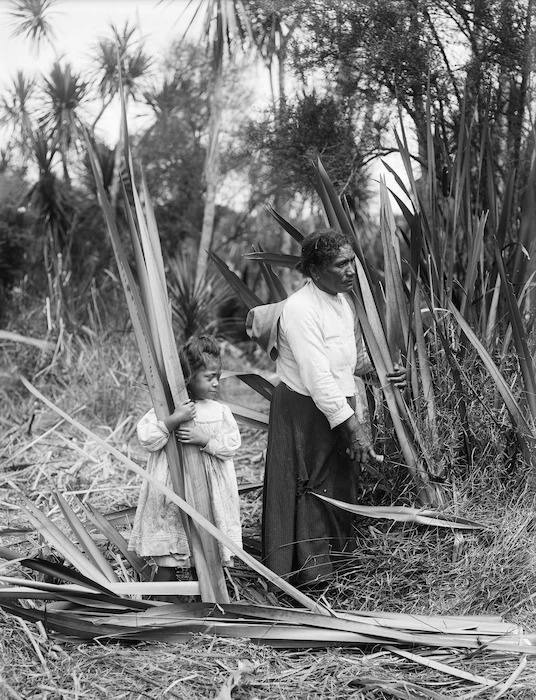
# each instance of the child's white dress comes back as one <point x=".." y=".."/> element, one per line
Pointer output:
<point x="157" y="531"/>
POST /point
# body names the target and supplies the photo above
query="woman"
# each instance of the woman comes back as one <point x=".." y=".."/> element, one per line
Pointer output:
<point x="314" y="436"/>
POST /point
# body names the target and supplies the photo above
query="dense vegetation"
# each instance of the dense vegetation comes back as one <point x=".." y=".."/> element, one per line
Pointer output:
<point x="446" y="284"/>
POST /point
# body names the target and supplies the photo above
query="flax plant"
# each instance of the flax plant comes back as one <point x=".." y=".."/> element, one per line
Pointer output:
<point x="488" y="298"/>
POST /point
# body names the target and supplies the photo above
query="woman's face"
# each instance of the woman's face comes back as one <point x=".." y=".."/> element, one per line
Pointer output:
<point x="338" y="275"/>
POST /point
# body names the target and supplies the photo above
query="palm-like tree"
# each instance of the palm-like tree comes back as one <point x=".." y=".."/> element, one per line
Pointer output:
<point x="31" y="20"/>
<point x="272" y="31"/>
<point x="57" y="127"/>
<point x="16" y="110"/>
<point x="65" y="92"/>
<point x="121" y="54"/>
<point x="226" y="25"/>
<point x="124" y="52"/>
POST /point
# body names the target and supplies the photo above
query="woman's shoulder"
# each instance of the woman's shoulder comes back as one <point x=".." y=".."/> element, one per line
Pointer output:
<point x="300" y="300"/>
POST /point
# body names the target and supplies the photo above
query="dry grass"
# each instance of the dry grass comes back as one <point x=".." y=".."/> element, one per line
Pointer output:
<point x="397" y="568"/>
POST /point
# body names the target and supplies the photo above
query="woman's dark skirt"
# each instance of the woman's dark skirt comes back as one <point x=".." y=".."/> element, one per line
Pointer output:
<point x="301" y="534"/>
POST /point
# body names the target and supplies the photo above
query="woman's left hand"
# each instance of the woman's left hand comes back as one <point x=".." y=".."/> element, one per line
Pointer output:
<point x="398" y="377"/>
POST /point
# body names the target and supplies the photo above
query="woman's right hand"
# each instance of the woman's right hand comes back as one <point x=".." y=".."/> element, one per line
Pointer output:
<point x="360" y="451"/>
<point x="182" y="414"/>
<point x="359" y="448"/>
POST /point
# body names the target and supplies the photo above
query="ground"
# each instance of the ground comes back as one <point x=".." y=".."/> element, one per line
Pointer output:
<point x="409" y="569"/>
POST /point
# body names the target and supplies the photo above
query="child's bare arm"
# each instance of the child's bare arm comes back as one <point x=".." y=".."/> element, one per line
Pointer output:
<point x="182" y="414"/>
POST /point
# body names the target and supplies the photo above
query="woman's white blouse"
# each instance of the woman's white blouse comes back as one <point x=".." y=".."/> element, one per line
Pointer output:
<point x="320" y="348"/>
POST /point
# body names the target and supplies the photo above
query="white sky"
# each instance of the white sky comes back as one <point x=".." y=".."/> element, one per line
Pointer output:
<point x="78" y="24"/>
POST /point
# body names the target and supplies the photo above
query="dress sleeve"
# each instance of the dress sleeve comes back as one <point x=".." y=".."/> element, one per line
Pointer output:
<point x="152" y="433"/>
<point x="224" y="445"/>
<point x="304" y="336"/>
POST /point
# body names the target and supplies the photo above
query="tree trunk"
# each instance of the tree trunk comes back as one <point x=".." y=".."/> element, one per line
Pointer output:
<point x="212" y="172"/>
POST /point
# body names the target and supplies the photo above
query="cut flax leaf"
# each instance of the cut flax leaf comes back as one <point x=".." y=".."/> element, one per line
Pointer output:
<point x="185" y="461"/>
<point x="84" y="539"/>
<point x="404" y="514"/>
<point x="140" y="566"/>
<point x="248" y="416"/>
<point x="166" y="384"/>
<point x="108" y="616"/>
<point x="181" y="503"/>
<point x="62" y="573"/>
<point x="444" y="668"/>
<point x="255" y="380"/>
<point x="55" y="537"/>
<point x="279" y="627"/>
<point x="22" y="588"/>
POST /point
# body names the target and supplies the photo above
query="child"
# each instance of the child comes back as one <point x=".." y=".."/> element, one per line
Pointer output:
<point x="157" y="531"/>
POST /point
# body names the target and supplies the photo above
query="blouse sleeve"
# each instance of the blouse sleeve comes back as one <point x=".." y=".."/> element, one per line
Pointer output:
<point x="305" y="339"/>
<point x="224" y="445"/>
<point x="152" y="433"/>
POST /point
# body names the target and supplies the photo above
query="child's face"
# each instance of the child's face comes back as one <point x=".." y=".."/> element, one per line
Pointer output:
<point x="205" y="383"/>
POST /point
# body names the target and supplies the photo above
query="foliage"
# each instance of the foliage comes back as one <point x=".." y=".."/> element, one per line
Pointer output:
<point x="197" y="307"/>
<point x="122" y="53"/>
<point x="315" y="126"/>
<point x="31" y="19"/>
<point x="16" y="108"/>
<point x="467" y="63"/>
<point x="14" y="246"/>
<point x="64" y="96"/>
<point x="173" y="147"/>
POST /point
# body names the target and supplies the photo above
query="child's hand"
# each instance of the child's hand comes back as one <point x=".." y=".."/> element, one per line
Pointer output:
<point x="192" y="436"/>
<point x="182" y="414"/>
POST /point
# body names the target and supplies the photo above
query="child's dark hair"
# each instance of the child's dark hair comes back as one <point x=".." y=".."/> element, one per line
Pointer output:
<point x="320" y="249"/>
<point x="196" y="353"/>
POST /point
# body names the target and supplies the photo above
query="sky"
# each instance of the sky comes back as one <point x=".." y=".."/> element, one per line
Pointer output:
<point x="78" y="24"/>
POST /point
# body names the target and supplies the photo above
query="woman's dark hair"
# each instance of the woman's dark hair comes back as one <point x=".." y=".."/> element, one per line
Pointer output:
<point x="196" y="353"/>
<point x="319" y="249"/>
